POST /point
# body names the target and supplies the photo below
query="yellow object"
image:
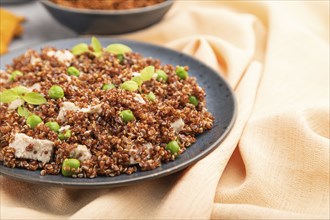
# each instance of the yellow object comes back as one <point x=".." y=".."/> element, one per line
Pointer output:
<point x="10" y="27"/>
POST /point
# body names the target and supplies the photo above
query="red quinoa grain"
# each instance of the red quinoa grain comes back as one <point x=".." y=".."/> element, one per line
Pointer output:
<point x="116" y="147"/>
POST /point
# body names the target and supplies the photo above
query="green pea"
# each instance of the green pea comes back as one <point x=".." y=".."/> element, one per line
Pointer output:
<point x="130" y="85"/>
<point x="181" y="72"/>
<point x="15" y="74"/>
<point x="151" y="96"/>
<point x="56" y="92"/>
<point x="127" y="115"/>
<point x="69" y="166"/>
<point x="64" y="136"/>
<point x="54" y="126"/>
<point x="173" y="146"/>
<point x="73" y="71"/>
<point x="161" y="76"/>
<point x="108" y="86"/>
<point x="33" y="121"/>
<point x="193" y="100"/>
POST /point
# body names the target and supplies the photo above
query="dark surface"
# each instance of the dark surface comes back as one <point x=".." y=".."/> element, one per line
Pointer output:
<point x="86" y="21"/>
<point x="220" y="102"/>
<point x="14" y="1"/>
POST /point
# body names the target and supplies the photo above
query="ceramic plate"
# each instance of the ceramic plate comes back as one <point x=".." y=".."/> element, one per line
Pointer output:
<point x="220" y="102"/>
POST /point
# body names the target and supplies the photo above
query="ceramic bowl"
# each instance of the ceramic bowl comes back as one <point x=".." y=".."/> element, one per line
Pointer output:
<point x="107" y="22"/>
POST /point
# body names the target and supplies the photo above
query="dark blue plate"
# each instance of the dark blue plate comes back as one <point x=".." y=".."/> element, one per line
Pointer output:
<point x="220" y="102"/>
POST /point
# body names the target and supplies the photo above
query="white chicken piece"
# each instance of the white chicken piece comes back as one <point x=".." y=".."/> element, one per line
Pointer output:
<point x="39" y="149"/>
<point x="178" y="125"/>
<point x="81" y="152"/>
<point x="69" y="106"/>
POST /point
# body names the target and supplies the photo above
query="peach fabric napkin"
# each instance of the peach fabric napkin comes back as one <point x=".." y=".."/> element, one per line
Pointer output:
<point x="275" y="162"/>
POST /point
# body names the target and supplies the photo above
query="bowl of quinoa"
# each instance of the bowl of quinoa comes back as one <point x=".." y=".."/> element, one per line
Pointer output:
<point x="107" y="4"/>
<point x="107" y="16"/>
<point x="83" y="114"/>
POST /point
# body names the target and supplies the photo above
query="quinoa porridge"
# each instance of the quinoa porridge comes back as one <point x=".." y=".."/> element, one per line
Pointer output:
<point x="107" y="4"/>
<point x="93" y="111"/>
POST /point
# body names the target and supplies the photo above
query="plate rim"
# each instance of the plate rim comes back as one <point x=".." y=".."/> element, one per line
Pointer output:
<point x="6" y="171"/>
